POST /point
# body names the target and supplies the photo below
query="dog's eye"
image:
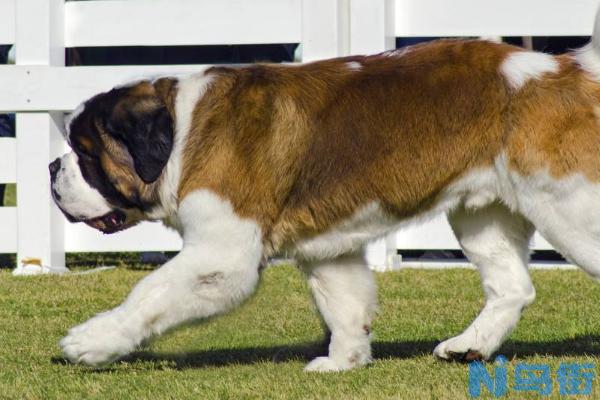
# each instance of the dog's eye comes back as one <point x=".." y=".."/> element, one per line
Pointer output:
<point x="79" y="147"/>
<point x="81" y="150"/>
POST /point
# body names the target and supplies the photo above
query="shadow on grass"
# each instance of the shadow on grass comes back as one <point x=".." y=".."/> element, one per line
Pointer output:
<point x="580" y="345"/>
<point x="274" y="354"/>
<point x="577" y="346"/>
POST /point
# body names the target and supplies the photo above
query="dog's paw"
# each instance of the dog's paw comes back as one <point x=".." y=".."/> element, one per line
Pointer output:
<point x="328" y="364"/>
<point x="323" y="364"/>
<point x="464" y="348"/>
<point x="98" y="341"/>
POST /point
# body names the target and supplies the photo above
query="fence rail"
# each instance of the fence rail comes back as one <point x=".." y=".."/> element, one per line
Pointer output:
<point x="183" y="22"/>
<point x="40" y="88"/>
<point x="48" y="88"/>
<point x="7" y="27"/>
<point x="495" y="18"/>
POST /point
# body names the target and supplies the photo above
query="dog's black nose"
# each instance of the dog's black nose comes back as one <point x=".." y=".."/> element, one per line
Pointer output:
<point x="54" y="167"/>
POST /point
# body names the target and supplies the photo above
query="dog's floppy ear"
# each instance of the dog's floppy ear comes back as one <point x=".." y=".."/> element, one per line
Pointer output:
<point x="146" y="129"/>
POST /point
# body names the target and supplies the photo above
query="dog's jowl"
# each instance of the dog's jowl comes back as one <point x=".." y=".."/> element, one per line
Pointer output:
<point x="316" y="160"/>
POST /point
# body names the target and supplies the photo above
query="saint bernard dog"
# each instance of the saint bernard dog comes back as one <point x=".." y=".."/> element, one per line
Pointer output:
<point x="314" y="161"/>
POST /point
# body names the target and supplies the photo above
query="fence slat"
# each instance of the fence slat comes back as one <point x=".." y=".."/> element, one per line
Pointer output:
<point x="40" y="88"/>
<point x="433" y="234"/>
<point x="8" y="160"/>
<point x="497" y="18"/>
<point x="371" y="26"/>
<point x="39" y="39"/>
<point x="539" y="243"/>
<point x="40" y="229"/>
<point x="39" y="32"/>
<point x="145" y="237"/>
<point x="181" y="22"/>
<point x="8" y="230"/>
<point x="7" y="27"/>
<point x="324" y="29"/>
<point x="437" y="234"/>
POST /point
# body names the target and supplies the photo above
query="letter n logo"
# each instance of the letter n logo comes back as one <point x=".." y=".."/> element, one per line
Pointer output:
<point x="479" y="376"/>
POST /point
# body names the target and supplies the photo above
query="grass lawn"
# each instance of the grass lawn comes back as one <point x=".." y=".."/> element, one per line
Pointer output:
<point x="10" y="195"/>
<point x="259" y="350"/>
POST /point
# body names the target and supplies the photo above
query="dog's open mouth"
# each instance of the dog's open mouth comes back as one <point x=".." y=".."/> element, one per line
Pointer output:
<point x="108" y="223"/>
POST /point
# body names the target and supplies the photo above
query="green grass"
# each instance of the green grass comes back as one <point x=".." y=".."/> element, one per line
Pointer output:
<point x="10" y="195"/>
<point x="259" y="350"/>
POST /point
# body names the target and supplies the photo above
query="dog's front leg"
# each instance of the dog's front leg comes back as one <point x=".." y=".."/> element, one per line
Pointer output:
<point x="216" y="270"/>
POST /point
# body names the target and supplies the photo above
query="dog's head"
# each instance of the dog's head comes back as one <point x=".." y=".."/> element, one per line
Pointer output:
<point x="121" y="142"/>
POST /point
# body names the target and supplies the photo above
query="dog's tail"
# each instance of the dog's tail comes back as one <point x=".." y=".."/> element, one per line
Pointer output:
<point x="589" y="56"/>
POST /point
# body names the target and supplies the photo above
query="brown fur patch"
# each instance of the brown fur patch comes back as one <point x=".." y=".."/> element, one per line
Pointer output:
<point x="300" y="148"/>
<point x="210" y="279"/>
<point x="473" y="355"/>
<point x="554" y="125"/>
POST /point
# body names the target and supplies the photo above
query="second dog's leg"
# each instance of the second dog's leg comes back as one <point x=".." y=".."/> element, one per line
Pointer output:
<point x="345" y="293"/>
<point x="216" y="270"/>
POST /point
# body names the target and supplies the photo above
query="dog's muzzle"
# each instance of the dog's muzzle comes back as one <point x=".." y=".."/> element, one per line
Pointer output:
<point x="110" y="222"/>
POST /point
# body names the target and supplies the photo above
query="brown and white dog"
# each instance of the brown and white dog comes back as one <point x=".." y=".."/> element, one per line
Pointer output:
<point x="316" y="160"/>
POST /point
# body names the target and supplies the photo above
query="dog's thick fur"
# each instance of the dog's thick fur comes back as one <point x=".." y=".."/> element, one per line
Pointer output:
<point x="316" y="160"/>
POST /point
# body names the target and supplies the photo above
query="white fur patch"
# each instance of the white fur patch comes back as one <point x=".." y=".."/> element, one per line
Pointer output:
<point x="588" y="58"/>
<point x="74" y="195"/>
<point x="565" y="213"/>
<point x="354" y="66"/>
<point x="350" y="235"/>
<point x="522" y="66"/>
<point x="476" y="189"/>
<point x="190" y="90"/>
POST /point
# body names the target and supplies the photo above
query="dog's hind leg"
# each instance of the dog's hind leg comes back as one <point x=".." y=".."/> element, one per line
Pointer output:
<point x="345" y="293"/>
<point x="496" y="241"/>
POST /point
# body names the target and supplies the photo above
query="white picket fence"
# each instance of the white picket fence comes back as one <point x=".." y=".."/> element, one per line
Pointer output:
<point x="39" y="88"/>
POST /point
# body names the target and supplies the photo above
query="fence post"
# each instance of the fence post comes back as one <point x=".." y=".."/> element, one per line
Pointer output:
<point x="325" y="25"/>
<point x="39" y="41"/>
<point x="372" y="26"/>
<point x="372" y="31"/>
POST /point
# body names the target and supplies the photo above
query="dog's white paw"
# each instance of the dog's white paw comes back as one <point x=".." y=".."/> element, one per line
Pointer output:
<point x="323" y="364"/>
<point x="464" y="347"/>
<point x="328" y="364"/>
<point x="98" y="341"/>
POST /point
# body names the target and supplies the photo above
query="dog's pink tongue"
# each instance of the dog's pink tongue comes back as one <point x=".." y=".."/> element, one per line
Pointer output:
<point x="113" y="219"/>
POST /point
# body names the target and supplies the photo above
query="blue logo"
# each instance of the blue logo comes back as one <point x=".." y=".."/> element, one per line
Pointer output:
<point x="572" y="378"/>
